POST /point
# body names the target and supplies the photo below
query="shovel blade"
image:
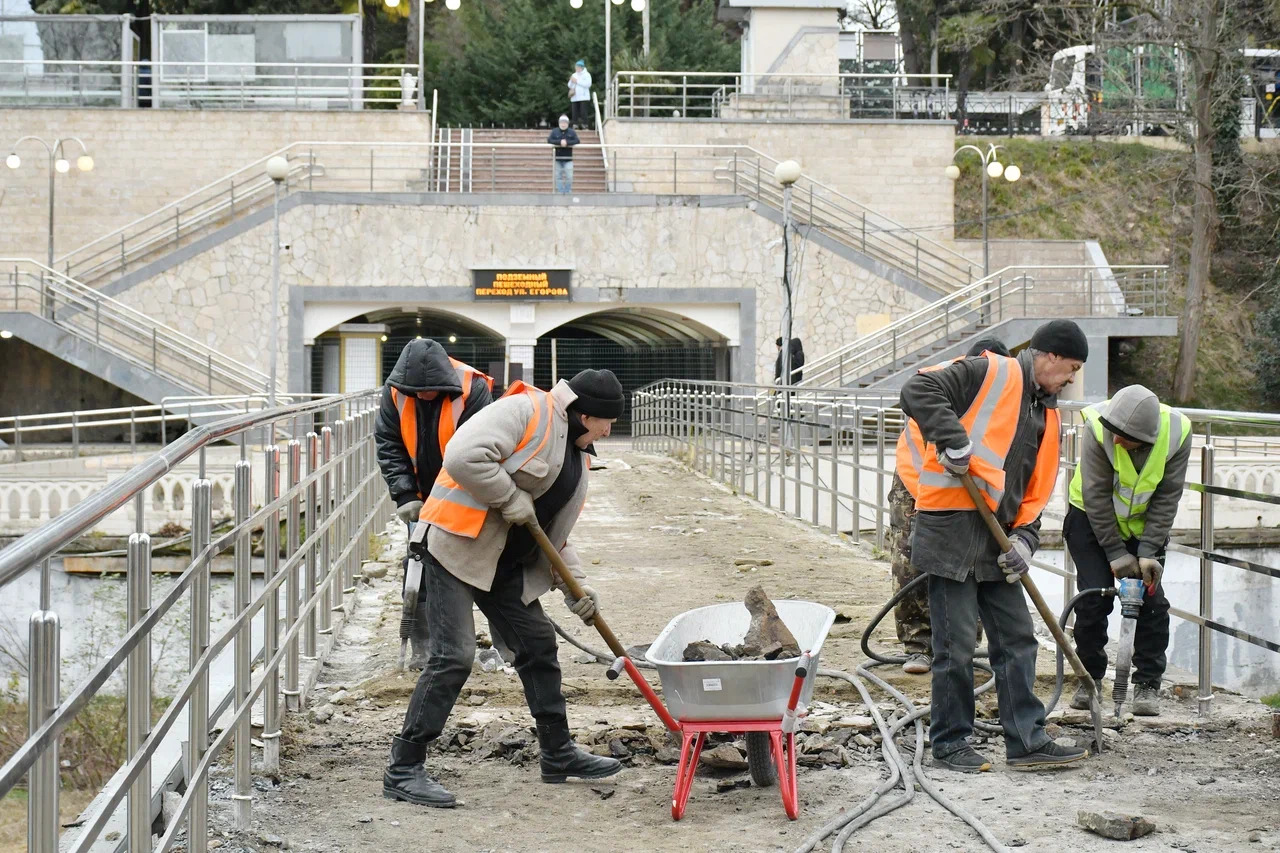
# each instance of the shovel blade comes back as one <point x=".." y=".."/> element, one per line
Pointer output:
<point x="1095" y="708"/>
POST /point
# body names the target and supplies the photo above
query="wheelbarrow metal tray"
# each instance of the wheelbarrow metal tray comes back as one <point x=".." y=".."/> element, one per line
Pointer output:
<point x="735" y="690"/>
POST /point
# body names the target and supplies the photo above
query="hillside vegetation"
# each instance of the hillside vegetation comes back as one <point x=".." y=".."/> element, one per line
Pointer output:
<point x="1134" y="199"/>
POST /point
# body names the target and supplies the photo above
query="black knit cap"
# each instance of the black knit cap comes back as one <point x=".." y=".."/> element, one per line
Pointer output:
<point x="599" y="394"/>
<point x="1061" y="337"/>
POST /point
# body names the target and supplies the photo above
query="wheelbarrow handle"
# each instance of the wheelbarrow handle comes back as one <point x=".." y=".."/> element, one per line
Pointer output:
<point x="575" y="589"/>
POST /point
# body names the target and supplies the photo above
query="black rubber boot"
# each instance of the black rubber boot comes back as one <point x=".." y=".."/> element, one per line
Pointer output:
<point x="562" y="760"/>
<point x="406" y="779"/>
<point x="418" y="637"/>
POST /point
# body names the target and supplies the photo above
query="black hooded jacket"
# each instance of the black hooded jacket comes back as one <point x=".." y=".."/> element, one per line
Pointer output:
<point x="422" y="366"/>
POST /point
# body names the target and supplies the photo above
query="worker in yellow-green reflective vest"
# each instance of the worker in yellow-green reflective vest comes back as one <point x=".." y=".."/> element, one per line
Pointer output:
<point x="1124" y="496"/>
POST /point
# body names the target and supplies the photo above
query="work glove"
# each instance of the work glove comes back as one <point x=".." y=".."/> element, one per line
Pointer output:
<point x="956" y="460"/>
<point x="519" y="508"/>
<point x="584" y="608"/>
<point x="1015" y="561"/>
<point x="1125" y="567"/>
<point x="408" y="513"/>
<point x="1151" y="571"/>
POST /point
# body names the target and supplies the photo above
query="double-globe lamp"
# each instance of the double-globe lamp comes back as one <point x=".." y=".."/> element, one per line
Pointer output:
<point x="995" y="169"/>
<point x="62" y="165"/>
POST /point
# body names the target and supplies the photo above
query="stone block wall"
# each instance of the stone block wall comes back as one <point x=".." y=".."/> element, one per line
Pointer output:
<point x="146" y="158"/>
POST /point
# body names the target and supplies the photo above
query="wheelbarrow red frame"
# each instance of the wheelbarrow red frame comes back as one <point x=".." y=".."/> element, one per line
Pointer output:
<point x="693" y="734"/>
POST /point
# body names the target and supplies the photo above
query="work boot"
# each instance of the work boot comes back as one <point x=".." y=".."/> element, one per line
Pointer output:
<point x="418" y="637"/>
<point x="917" y="664"/>
<point x="1080" y="701"/>
<point x="561" y="759"/>
<point x="1049" y="755"/>
<point x="406" y="779"/>
<point x="1146" y="701"/>
<point x="966" y="759"/>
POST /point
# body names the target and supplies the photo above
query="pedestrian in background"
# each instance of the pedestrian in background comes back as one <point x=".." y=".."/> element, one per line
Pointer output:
<point x="563" y="138"/>
<point x="580" y="93"/>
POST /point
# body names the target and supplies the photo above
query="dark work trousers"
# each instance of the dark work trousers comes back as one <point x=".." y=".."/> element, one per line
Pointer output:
<point x="954" y="607"/>
<point x="525" y="628"/>
<point x="579" y="113"/>
<point x="1093" y="571"/>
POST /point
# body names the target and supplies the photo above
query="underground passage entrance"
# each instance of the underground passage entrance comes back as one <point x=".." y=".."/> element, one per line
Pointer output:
<point x="639" y="347"/>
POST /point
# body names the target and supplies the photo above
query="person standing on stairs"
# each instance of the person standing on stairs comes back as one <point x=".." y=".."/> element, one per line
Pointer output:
<point x="426" y="398"/>
<point x="580" y="94"/>
<point x="563" y="138"/>
<point x="911" y="613"/>
<point x="521" y="461"/>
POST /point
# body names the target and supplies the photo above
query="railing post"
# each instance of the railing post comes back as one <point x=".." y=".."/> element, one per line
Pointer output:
<point x="97" y="321"/>
<point x="198" y="710"/>
<point x="675" y="171"/>
<point x="880" y="479"/>
<point x="1205" y="699"/>
<point x="349" y="473"/>
<point x="856" y="489"/>
<point x="17" y="438"/>
<point x="271" y="613"/>
<point x="309" y="588"/>
<point x="917" y="258"/>
<point x="864" y="232"/>
<point x="1089" y="280"/>
<point x="123" y="255"/>
<point x="735" y="171"/>
<point x="138" y="689"/>
<point x="75" y="435"/>
<point x="341" y="486"/>
<point x="326" y="507"/>
<point x="243" y="796"/>
<point x="210" y="375"/>
<point x="43" y="656"/>
<point x="154" y="363"/>
<point x="293" y="469"/>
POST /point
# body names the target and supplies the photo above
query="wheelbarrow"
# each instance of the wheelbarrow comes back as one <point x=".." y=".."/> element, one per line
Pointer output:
<point x="762" y="699"/>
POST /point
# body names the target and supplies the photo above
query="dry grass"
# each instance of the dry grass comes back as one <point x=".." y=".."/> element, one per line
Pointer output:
<point x="13" y="816"/>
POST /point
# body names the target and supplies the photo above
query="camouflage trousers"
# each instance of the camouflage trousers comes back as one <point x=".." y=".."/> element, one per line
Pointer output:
<point x="911" y="614"/>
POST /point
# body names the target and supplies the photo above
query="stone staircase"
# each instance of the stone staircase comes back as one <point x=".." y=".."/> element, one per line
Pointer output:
<point x="503" y="160"/>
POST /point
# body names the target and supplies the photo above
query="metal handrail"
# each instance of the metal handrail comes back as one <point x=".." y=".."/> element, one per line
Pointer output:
<point x="339" y="494"/>
<point x="604" y="145"/>
<point x="807" y="457"/>
<point x="87" y="313"/>
<point x="990" y="299"/>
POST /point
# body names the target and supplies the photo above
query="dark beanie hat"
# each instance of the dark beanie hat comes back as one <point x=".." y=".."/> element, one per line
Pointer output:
<point x="1061" y="337"/>
<point x="599" y="393"/>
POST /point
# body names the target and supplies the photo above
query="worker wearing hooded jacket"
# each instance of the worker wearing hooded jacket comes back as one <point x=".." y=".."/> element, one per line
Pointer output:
<point x="996" y="418"/>
<point x="428" y="395"/>
<point x="1123" y="497"/>
<point x="523" y="459"/>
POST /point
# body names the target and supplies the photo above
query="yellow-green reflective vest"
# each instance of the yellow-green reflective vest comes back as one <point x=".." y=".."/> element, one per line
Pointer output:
<point x="1131" y="490"/>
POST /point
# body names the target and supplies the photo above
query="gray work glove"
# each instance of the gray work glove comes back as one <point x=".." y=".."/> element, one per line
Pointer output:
<point x="1151" y="570"/>
<point x="956" y="460"/>
<point x="519" y="508"/>
<point x="584" y="608"/>
<point x="1126" y="567"/>
<point x="1015" y="561"/>
<point x="409" y="512"/>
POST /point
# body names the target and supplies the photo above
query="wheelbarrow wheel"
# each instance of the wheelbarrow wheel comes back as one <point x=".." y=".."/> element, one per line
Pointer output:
<point x="764" y="772"/>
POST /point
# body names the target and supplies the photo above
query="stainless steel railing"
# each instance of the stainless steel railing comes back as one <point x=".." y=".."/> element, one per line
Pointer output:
<point x="329" y="483"/>
<point x="826" y="456"/>
<point x="26" y="285"/>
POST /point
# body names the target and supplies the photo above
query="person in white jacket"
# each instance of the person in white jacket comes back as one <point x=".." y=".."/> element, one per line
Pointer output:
<point x="580" y="94"/>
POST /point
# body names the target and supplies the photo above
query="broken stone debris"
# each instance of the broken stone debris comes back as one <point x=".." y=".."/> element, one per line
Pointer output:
<point x="1113" y="825"/>
<point x="726" y="756"/>
<point x="768" y="637"/>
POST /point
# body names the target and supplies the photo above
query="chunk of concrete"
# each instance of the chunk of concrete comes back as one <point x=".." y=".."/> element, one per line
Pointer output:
<point x="768" y="632"/>
<point x="704" y="650"/>
<point x="726" y="756"/>
<point x="1117" y="826"/>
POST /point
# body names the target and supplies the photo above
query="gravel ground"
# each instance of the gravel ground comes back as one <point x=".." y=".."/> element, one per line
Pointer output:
<point x="658" y="540"/>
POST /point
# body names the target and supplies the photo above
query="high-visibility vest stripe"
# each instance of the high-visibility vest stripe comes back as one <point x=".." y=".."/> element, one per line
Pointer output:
<point x="1131" y="490"/>
<point x="451" y="410"/>
<point x="991" y="422"/>
<point x="450" y="507"/>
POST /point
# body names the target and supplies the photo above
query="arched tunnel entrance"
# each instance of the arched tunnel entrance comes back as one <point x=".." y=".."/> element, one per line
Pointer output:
<point x="639" y="345"/>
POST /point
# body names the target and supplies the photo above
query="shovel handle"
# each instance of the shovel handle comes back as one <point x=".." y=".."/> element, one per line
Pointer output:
<point x="575" y="588"/>
<point x="1046" y="615"/>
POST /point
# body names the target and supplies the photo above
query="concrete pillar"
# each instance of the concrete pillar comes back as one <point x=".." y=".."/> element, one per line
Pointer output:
<point x="1091" y="386"/>
<point x="521" y="352"/>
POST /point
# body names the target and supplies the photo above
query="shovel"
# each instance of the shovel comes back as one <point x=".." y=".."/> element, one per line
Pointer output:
<point x="1095" y="697"/>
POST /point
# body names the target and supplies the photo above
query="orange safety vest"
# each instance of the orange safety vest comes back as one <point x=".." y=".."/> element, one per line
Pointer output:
<point x="451" y="409"/>
<point x="451" y="507"/>
<point x="991" y="422"/>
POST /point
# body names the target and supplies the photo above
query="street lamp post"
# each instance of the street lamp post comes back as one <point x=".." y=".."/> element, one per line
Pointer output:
<point x="991" y="168"/>
<point x="57" y="164"/>
<point x="786" y="173"/>
<point x="422" y="34"/>
<point x="278" y="171"/>
<point x="641" y="6"/>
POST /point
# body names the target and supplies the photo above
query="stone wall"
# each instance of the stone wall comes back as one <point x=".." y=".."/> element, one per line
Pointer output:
<point x="145" y="159"/>
<point x="620" y="255"/>
<point x="895" y="168"/>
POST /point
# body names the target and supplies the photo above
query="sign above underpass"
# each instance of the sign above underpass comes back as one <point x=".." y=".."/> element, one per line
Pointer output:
<point x="511" y="285"/>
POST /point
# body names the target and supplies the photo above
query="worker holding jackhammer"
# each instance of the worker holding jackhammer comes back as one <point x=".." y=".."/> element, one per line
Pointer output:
<point x="428" y="395"/>
<point x="911" y="613"/>
<point x="1123" y="499"/>
<point x="997" y="419"/>
<point x="522" y="460"/>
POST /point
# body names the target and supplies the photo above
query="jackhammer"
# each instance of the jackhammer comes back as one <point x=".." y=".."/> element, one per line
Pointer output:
<point x="1130" y="595"/>
<point x="412" y="584"/>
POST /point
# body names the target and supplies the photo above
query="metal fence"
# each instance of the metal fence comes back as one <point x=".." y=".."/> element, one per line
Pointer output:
<point x="826" y="456"/>
<point x="329" y="495"/>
